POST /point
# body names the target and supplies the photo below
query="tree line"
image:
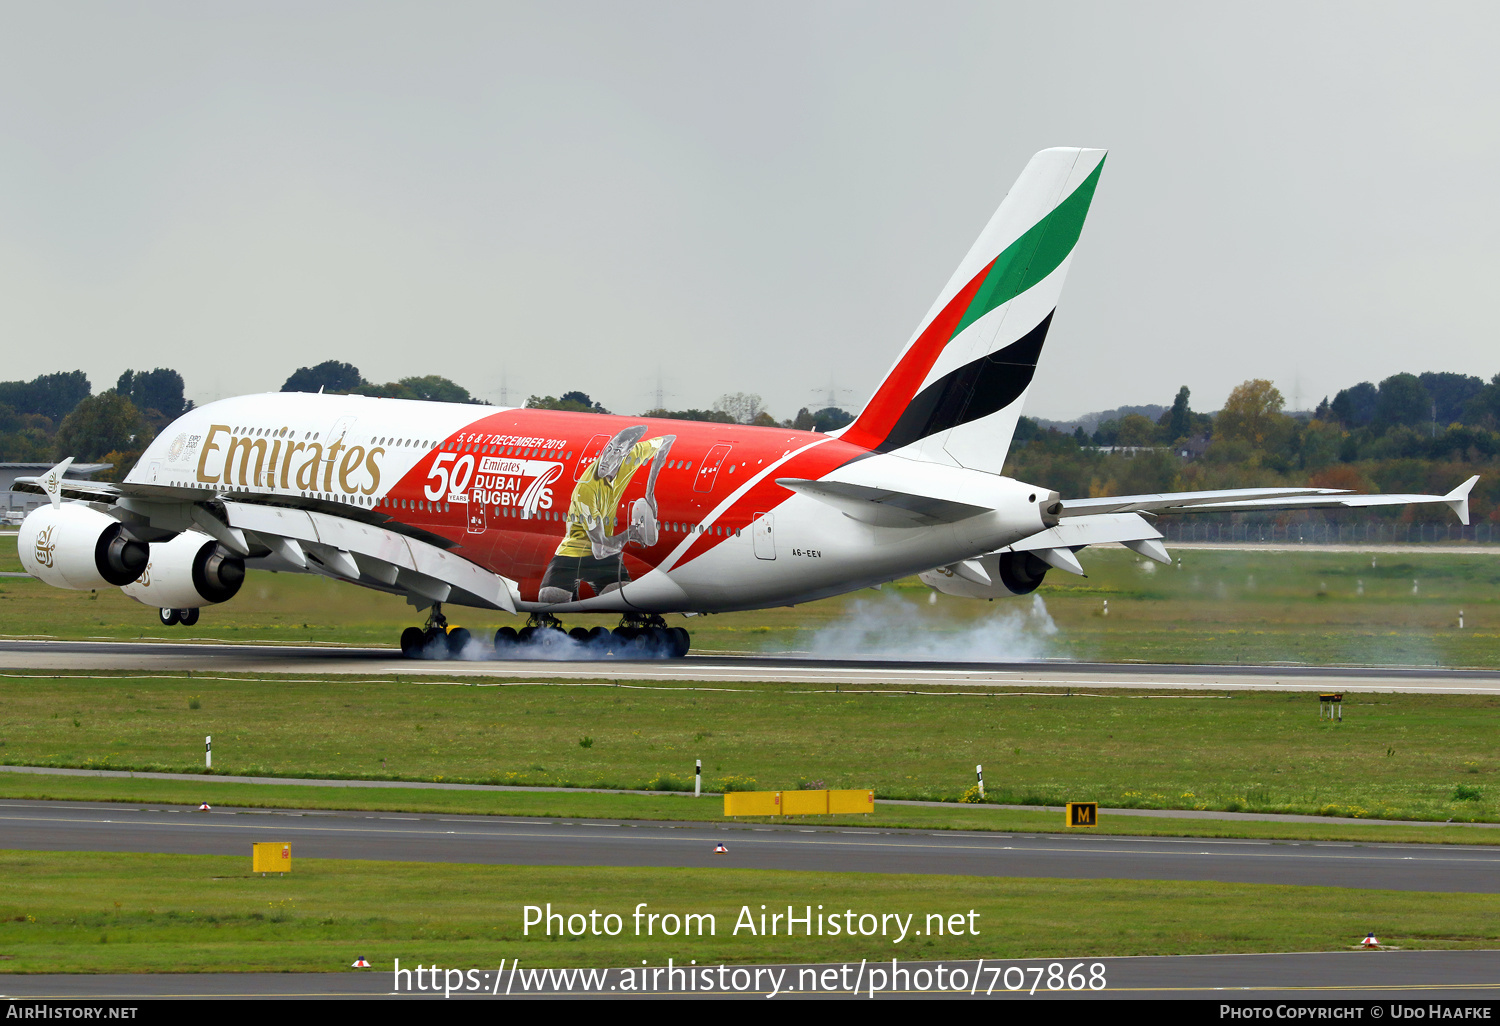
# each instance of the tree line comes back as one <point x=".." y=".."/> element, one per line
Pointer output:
<point x="1409" y="433"/>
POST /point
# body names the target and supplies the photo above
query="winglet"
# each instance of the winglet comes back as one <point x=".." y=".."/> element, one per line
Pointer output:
<point x="53" y="479"/>
<point x="1458" y="499"/>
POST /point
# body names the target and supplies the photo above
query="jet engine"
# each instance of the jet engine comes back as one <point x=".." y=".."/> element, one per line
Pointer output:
<point x="992" y="576"/>
<point x="75" y="546"/>
<point x="188" y="572"/>
<point x="1021" y="572"/>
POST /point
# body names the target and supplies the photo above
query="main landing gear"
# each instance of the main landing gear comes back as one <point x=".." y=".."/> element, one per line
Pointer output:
<point x="172" y="617"/>
<point x="435" y="640"/>
<point x="639" y="636"/>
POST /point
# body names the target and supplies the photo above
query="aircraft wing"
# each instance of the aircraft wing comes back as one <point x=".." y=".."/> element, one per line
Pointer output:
<point x="71" y="488"/>
<point x="317" y="540"/>
<point x="1242" y="500"/>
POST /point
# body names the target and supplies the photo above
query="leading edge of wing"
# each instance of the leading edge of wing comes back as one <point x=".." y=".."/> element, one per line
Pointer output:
<point x="1247" y="500"/>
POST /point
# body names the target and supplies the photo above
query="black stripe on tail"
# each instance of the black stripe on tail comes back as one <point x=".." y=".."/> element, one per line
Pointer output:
<point x="975" y="390"/>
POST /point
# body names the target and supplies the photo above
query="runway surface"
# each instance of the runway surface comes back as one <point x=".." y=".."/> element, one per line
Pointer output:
<point x="727" y="670"/>
<point x="495" y="840"/>
<point x="1465" y="976"/>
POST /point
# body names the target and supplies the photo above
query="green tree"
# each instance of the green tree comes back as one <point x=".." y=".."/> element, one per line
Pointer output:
<point x="831" y="418"/>
<point x="1135" y="430"/>
<point x="50" y="395"/>
<point x="711" y="416"/>
<point x="1355" y="407"/>
<point x="1179" y="419"/>
<point x="107" y="422"/>
<point x="1251" y="413"/>
<point x="437" y="389"/>
<point x="160" y="390"/>
<point x="1450" y="392"/>
<point x="328" y="376"/>
<point x="573" y="402"/>
<point x="1402" y="400"/>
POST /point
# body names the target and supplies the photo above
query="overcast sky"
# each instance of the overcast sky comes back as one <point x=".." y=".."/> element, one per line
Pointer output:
<point x="740" y="197"/>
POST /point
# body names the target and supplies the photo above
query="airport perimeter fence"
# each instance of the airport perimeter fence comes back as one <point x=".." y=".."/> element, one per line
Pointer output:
<point x="1370" y="533"/>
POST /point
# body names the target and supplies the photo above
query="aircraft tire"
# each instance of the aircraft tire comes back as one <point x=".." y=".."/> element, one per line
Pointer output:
<point x="169" y="618"/>
<point x="525" y="634"/>
<point x="681" y="641"/>
<point x="579" y="634"/>
<point x="187" y="617"/>
<point x="505" y="638"/>
<point x="458" y="639"/>
<point x="598" y="634"/>
<point x="413" y="640"/>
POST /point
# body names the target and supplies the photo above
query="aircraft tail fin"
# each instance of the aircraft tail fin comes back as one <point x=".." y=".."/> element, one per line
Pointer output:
<point x="956" y="391"/>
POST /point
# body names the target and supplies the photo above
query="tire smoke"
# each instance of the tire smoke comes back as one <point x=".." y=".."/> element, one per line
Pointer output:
<point x="552" y="646"/>
<point x="893" y="627"/>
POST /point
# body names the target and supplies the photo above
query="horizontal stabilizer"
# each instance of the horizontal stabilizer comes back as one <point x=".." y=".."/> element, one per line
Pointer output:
<point x="883" y="507"/>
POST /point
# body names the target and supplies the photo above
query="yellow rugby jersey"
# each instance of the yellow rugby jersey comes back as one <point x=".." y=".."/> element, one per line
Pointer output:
<point x="601" y="498"/>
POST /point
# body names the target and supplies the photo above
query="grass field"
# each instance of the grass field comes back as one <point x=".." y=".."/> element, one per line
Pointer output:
<point x="1395" y="756"/>
<point x="1254" y="607"/>
<point x="109" y="912"/>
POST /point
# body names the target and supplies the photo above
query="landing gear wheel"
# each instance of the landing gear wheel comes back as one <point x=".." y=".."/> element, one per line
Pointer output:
<point x="169" y="618"/>
<point x="681" y="641"/>
<point x="435" y="643"/>
<point x="413" y="640"/>
<point x="505" y="639"/>
<point x="525" y="634"/>
<point x="598" y="634"/>
<point x="187" y="617"/>
<point x="579" y="634"/>
<point x="458" y="640"/>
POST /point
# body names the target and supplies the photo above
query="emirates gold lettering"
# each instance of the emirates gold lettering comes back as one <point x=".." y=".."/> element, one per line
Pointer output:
<point x="258" y="462"/>
<point x="374" y="471"/>
<point x="353" y="457"/>
<point x="286" y="465"/>
<point x="307" y="474"/>
<point x="333" y="451"/>
<point x="208" y="447"/>
<point x="244" y="446"/>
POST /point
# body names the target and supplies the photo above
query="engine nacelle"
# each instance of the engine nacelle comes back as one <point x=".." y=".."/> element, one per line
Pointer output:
<point x="992" y="576"/>
<point x="188" y="572"/>
<point x="1021" y="572"/>
<point x="76" y="546"/>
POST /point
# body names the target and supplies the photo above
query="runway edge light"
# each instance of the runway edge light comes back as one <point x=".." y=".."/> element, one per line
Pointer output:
<point x="360" y="963"/>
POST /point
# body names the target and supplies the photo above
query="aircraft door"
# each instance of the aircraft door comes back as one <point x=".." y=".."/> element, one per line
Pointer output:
<point x="762" y="531"/>
<point x="708" y="471"/>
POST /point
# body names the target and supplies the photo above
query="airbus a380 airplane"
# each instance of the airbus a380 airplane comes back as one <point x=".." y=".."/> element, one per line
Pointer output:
<point x="544" y="513"/>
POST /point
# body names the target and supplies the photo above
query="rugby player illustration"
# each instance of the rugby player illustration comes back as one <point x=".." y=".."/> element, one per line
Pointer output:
<point x="590" y="554"/>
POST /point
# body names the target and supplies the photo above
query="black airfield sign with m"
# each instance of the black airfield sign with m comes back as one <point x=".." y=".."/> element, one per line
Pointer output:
<point x="1083" y="814"/>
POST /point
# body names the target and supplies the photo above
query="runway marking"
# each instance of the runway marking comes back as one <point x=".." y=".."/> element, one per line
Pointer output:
<point x="504" y="835"/>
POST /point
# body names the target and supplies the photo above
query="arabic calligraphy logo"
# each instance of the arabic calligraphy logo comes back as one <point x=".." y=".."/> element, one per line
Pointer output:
<point x="45" y="546"/>
<point x="51" y="483"/>
<point x="145" y="579"/>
